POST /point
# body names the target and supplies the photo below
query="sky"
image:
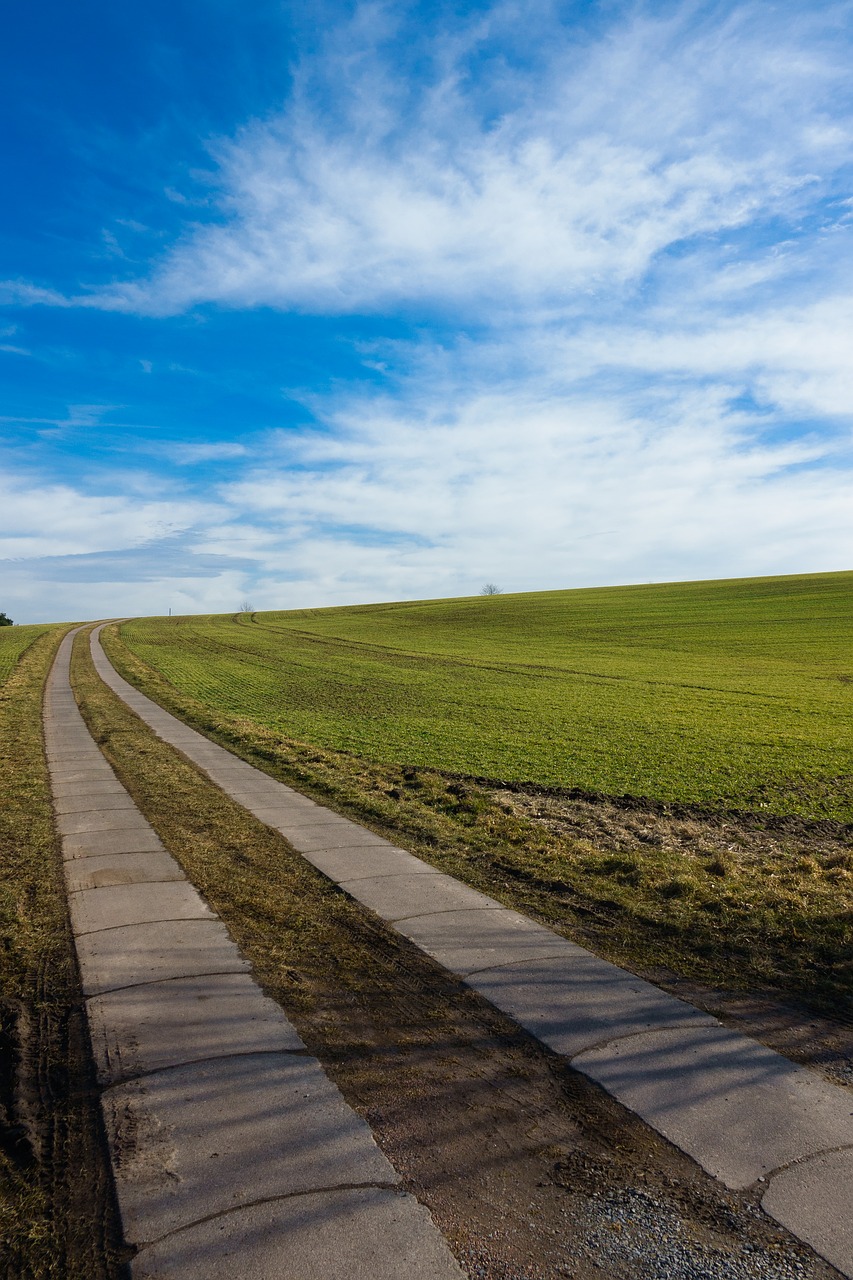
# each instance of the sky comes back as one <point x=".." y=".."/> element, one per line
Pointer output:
<point x="313" y="304"/>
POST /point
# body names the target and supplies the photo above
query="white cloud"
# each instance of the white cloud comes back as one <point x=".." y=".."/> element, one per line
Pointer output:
<point x="588" y="167"/>
<point x="540" y="493"/>
<point x="22" y="293"/>
<point x="637" y="245"/>
<point x="796" y="359"/>
<point x="207" y="451"/>
<point x="59" y="519"/>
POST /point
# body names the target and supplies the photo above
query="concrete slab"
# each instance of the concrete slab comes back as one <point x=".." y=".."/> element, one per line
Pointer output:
<point x="108" y="798"/>
<point x="127" y="818"/>
<point x="355" y="862"/>
<point x="739" y="1109"/>
<point x="230" y="773"/>
<point x="137" y="953"/>
<point x="469" y="941"/>
<point x="66" y="742"/>
<point x="168" y="729"/>
<point x="113" y="906"/>
<point x="575" y="1002"/>
<point x="326" y="835"/>
<point x="64" y="728"/>
<point x="206" y="1138"/>
<point x="63" y="720"/>
<point x="273" y="795"/>
<point x="170" y="1024"/>
<point x="362" y="1233"/>
<point x="67" y="756"/>
<point x="201" y="751"/>
<point x="102" y="785"/>
<point x="300" y="820"/>
<point x="814" y="1200"/>
<point x="176" y="729"/>
<point x="101" y="870"/>
<point x="82" y="771"/>
<point x="403" y="897"/>
<point x="123" y="840"/>
<point x="270" y="797"/>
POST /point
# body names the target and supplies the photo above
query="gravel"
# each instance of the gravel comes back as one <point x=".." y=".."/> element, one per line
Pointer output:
<point x="631" y="1233"/>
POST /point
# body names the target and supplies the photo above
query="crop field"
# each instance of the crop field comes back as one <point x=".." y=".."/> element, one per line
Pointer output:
<point x="14" y="641"/>
<point x="729" y="694"/>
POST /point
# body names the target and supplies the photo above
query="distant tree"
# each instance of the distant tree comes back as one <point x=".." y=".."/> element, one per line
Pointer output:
<point x="247" y="607"/>
<point x="5" y="622"/>
<point x="490" y="589"/>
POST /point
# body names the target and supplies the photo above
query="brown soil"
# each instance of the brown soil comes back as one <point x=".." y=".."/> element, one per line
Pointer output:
<point x="529" y="1169"/>
<point x="821" y="1042"/>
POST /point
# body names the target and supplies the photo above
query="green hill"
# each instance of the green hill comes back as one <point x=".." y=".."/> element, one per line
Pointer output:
<point x="733" y="693"/>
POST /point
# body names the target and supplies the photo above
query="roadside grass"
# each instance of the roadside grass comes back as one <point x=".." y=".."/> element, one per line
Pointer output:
<point x="513" y="1153"/>
<point x="14" y="641"/>
<point x="719" y="899"/>
<point x="56" y="1215"/>
<point x="733" y="694"/>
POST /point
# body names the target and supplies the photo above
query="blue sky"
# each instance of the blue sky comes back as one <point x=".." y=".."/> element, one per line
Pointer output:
<point x="317" y="304"/>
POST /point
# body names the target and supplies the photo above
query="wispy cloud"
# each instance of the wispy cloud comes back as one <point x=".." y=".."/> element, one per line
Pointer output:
<point x="525" y="188"/>
<point x="60" y="519"/>
<point x="212" y="451"/>
<point x="545" y="491"/>
<point x="21" y="293"/>
<point x="621" y="253"/>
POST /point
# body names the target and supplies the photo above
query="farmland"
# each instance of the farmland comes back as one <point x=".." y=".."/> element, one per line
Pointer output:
<point x="497" y="738"/>
<point x="735" y="694"/>
<point x="14" y="641"/>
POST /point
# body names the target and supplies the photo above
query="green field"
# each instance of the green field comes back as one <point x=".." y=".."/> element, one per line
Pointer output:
<point x="733" y="693"/>
<point x="14" y="641"/>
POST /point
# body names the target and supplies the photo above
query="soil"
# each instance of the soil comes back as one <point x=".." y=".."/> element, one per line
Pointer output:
<point x="528" y="1168"/>
<point x="821" y="1042"/>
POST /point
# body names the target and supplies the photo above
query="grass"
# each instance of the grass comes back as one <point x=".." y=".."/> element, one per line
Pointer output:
<point x="730" y="902"/>
<point x="56" y="1215"/>
<point x="14" y="641"/>
<point x="723" y="694"/>
<point x="508" y="1148"/>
